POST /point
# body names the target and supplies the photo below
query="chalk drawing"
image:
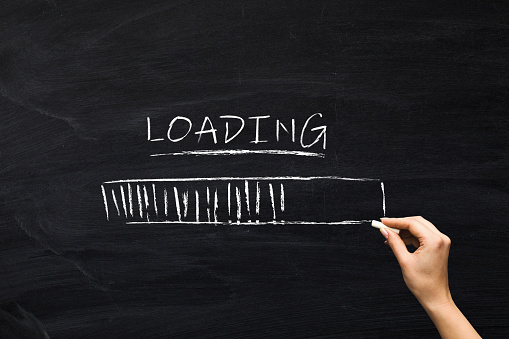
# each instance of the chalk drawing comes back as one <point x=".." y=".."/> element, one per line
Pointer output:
<point x="257" y="199"/>
<point x="271" y="191"/>
<point x="197" y="199"/>
<point x="242" y="152"/>
<point x="263" y="125"/>
<point x="105" y="199"/>
<point x="131" y="208"/>
<point x="241" y="178"/>
<point x="138" y="191"/>
<point x="282" y="198"/>
<point x="123" y="200"/>
<point x="216" y="205"/>
<point x="165" y="202"/>
<point x="115" y="201"/>
<point x="246" y="193"/>
<point x="239" y="204"/>
<point x="177" y="202"/>
<point x="155" y="199"/>
<point x="185" y="201"/>
<point x="235" y="192"/>
<point x="208" y="204"/>
<point x="245" y="223"/>
<point x="229" y="200"/>
<point x="145" y="196"/>
<point x="383" y="195"/>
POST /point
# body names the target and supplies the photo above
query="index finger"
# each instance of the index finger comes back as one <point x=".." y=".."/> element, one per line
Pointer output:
<point x="427" y="223"/>
<point x="414" y="226"/>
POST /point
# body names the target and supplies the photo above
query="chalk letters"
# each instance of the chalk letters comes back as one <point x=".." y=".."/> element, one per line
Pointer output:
<point x="262" y="126"/>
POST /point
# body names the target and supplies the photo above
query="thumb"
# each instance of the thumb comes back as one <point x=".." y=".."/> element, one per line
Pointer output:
<point x="397" y="245"/>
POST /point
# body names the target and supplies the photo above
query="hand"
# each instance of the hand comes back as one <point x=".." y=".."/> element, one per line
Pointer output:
<point x="425" y="273"/>
<point x="425" y="270"/>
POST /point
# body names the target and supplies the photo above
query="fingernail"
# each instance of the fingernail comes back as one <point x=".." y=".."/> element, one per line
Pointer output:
<point x="385" y="242"/>
<point x="384" y="233"/>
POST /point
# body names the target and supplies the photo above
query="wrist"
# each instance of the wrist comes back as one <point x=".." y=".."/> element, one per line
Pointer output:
<point x="435" y="298"/>
<point x="438" y="305"/>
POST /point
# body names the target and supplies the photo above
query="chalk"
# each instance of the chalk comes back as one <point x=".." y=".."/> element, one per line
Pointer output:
<point x="271" y="191"/>
<point x="197" y="201"/>
<point x="208" y="203"/>
<point x="378" y="224"/>
<point x="239" y="204"/>
<point x="185" y="200"/>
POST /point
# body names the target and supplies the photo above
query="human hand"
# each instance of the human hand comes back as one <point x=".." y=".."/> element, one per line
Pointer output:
<point x="425" y="270"/>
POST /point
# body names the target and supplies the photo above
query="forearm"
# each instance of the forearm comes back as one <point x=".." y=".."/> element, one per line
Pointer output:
<point x="450" y="322"/>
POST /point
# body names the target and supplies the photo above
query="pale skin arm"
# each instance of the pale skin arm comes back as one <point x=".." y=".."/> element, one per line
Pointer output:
<point x="425" y="273"/>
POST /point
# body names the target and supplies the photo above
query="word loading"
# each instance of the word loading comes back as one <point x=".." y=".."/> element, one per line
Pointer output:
<point x="180" y="128"/>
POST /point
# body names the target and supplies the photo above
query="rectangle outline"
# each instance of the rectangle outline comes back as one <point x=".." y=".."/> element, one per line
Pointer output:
<point x="249" y="223"/>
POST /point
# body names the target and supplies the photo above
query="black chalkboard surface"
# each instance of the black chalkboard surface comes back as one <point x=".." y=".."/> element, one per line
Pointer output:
<point x="204" y="169"/>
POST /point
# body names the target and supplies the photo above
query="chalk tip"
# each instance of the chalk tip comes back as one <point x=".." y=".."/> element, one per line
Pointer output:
<point x="378" y="224"/>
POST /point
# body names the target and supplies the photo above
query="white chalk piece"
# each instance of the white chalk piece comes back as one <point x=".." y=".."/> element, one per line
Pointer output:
<point x="378" y="224"/>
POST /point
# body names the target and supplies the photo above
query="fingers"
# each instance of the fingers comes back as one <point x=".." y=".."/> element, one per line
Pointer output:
<point x="408" y="238"/>
<point x="397" y="245"/>
<point x="411" y="241"/>
<point x="427" y="223"/>
<point x="413" y="225"/>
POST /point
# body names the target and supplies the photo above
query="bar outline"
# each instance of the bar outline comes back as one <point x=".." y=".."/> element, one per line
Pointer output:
<point x="238" y="222"/>
<point x="253" y="223"/>
<point x="241" y="179"/>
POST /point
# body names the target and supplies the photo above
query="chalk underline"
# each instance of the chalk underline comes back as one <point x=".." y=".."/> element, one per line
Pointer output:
<point x="254" y="223"/>
<point x="242" y="152"/>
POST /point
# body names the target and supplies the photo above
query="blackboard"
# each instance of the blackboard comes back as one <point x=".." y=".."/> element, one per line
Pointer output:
<point x="132" y="208"/>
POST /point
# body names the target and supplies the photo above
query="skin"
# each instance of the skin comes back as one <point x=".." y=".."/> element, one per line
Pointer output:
<point x="425" y="272"/>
